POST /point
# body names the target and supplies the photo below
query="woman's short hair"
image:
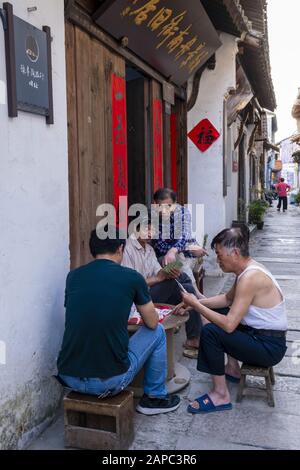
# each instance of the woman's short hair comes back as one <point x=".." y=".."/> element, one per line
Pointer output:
<point x="165" y="193"/>
<point x="233" y="238"/>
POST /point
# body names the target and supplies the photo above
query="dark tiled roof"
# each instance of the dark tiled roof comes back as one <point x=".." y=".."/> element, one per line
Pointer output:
<point x="236" y="17"/>
<point x="257" y="60"/>
<point x="227" y="16"/>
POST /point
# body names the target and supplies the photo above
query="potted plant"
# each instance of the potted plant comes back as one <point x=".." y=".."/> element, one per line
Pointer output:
<point x="297" y="198"/>
<point x="257" y="211"/>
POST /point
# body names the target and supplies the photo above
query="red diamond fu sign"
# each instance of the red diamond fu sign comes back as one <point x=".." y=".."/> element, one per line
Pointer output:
<point x="204" y="135"/>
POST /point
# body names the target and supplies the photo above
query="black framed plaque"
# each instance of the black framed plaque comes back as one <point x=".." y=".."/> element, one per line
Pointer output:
<point x="28" y="66"/>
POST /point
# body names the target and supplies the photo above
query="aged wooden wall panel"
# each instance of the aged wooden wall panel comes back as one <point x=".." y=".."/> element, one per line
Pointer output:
<point x="90" y="67"/>
<point x="73" y="148"/>
<point x="99" y="185"/>
<point x="85" y="126"/>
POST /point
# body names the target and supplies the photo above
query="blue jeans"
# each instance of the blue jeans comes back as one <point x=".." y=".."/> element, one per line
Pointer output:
<point x="146" y="348"/>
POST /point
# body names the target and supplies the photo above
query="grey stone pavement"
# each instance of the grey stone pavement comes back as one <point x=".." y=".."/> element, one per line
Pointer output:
<point x="251" y="424"/>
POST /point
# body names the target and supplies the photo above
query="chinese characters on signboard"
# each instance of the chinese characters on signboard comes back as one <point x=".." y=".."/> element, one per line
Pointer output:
<point x="174" y="37"/>
<point x="31" y="67"/>
<point x="204" y="135"/>
<point x="34" y="76"/>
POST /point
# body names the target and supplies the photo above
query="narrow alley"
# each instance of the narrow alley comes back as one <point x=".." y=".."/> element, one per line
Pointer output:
<point x="251" y="424"/>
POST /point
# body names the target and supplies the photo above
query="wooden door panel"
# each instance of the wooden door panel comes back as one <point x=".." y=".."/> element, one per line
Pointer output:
<point x="89" y="68"/>
<point x="74" y="204"/>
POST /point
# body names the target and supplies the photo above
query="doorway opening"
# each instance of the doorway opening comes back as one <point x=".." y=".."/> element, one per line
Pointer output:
<point x="138" y="137"/>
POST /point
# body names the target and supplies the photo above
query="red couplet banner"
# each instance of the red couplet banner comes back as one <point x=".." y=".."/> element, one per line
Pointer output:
<point x="157" y="145"/>
<point x="119" y="146"/>
<point x="173" y="127"/>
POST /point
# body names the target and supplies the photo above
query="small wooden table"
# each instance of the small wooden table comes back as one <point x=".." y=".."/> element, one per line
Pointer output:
<point x="178" y="376"/>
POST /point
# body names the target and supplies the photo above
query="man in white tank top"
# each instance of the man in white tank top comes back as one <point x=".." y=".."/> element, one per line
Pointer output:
<point x="248" y="323"/>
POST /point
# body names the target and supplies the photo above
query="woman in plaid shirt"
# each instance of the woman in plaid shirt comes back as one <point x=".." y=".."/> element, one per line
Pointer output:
<point x="175" y="233"/>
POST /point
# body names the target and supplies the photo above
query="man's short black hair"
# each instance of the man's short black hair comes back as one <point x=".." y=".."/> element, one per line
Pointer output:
<point x="107" y="246"/>
<point x="165" y="193"/>
<point x="234" y="238"/>
<point x="282" y="180"/>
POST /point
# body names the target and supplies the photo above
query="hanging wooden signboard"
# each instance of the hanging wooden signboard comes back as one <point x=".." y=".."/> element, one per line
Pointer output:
<point x="175" y="38"/>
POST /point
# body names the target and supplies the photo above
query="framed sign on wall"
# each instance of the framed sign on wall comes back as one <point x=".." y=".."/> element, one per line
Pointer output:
<point x="28" y="67"/>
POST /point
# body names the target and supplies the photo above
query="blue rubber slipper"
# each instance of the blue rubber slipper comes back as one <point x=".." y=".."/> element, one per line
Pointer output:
<point x="207" y="406"/>
<point x="234" y="380"/>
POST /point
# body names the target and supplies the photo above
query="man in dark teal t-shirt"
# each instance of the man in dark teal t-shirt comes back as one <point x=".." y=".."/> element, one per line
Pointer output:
<point x="97" y="357"/>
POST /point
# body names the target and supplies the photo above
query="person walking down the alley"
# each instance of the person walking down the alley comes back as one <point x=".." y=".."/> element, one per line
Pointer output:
<point x="164" y="289"/>
<point x="282" y="189"/>
<point x="97" y="357"/>
<point x="175" y="234"/>
<point x="249" y="323"/>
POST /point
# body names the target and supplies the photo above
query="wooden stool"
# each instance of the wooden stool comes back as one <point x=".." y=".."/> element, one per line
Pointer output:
<point x="99" y="424"/>
<point x="267" y="373"/>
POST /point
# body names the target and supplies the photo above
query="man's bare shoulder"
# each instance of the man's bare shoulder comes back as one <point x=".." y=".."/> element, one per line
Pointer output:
<point x="255" y="278"/>
<point x="249" y="278"/>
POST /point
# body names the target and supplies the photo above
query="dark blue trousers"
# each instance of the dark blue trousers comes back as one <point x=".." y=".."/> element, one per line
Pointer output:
<point x="245" y="346"/>
<point x="283" y="200"/>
